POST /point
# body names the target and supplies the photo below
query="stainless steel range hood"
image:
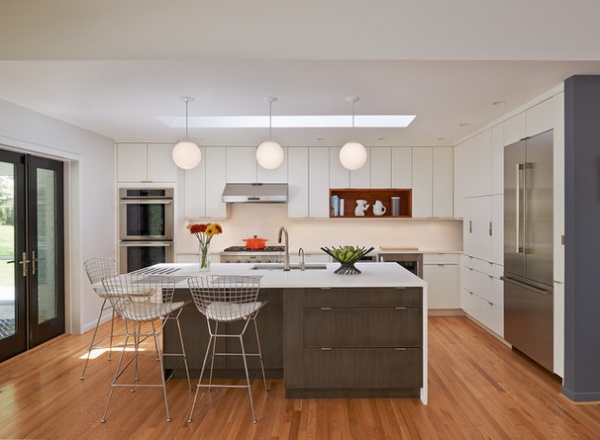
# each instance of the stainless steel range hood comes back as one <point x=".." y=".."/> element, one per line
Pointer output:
<point x="255" y="193"/>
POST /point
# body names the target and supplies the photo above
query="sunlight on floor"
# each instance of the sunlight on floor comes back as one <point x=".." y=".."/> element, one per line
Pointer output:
<point x="97" y="352"/>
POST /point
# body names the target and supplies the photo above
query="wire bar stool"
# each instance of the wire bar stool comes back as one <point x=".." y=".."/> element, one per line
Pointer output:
<point x="142" y="301"/>
<point x="224" y="299"/>
<point x="97" y="269"/>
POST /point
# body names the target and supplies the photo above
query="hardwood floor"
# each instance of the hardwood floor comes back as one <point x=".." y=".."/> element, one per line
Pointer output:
<point x="478" y="388"/>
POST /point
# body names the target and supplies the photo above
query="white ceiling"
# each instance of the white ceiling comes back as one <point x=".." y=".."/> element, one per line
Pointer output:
<point x="113" y="66"/>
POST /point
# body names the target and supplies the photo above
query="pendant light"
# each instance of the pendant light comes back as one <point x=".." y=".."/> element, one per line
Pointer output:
<point x="269" y="154"/>
<point x="186" y="154"/>
<point x="353" y="155"/>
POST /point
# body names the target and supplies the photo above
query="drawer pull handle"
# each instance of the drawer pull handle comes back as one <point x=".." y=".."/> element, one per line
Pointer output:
<point x="325" y="309"/>
<point x="400" y="348"/>
<point x="325" y="348"/>
<point x="325" y="288"/>
<point x="400" y="308"/>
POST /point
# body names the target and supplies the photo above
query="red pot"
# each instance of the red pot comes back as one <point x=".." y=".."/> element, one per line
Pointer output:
<point x="255" y="243"/>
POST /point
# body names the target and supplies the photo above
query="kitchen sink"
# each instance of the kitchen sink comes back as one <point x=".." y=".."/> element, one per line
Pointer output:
<point x="277" y="266"/>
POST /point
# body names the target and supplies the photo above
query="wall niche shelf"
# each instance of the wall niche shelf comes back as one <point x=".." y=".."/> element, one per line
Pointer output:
<point x="343" y="202"/>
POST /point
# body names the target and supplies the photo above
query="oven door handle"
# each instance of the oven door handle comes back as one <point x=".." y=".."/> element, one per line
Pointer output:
<point x="146" y="243"/>
<point x="146" y="202"/>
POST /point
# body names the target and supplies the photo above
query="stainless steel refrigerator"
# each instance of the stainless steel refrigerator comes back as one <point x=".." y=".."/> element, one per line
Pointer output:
<point x="528" y="247"/>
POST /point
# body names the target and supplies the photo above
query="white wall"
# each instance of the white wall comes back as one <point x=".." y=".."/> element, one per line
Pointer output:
<point x="90" y="200"/>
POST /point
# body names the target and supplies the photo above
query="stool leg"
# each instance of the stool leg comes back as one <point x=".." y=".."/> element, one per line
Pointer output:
<point x="262" y="366"/>
<point x="94" y="340"/>
<point x="247" y="379"/>
<point x="210" y="341"/>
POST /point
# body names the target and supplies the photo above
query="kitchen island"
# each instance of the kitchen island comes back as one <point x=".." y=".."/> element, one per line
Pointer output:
<point x="327" y="335"/>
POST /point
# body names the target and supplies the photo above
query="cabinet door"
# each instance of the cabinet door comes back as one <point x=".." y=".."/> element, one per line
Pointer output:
<point x="442" y="182"/>
<point x="195" y="189"/>
<point x="161" y="167"/>
<point x="132" y="162"/>
<point x="461" y="178"/>
<point x="442" y="285"/>
<point x="381" y="167"/>
<point x="498" y="159"/>
<point x="297" y="182"/>
<point x="498" y="229"/>
<point x="339" y="177"/>
<point x="241" y="165"/>
<point x="216" y="169"/>
<point x="402" y="167"/>
<point x="515" y="128"/>
<point x="481" y="164"/>
<point x="278" y="175"/>
<point x="422" y="182"/>
<point x="361" y="178"/>
<point x="478" y="242"/>
<point x="318" y="182"/>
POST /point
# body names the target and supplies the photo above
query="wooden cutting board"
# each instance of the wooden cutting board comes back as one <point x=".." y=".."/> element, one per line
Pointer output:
<point x="398" y="248"/>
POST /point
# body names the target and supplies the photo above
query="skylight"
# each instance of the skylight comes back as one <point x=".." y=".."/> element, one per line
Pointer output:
<point x="328" y="121"/>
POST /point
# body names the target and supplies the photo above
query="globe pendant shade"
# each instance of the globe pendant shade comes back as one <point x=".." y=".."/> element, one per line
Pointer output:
<point x="186" y="155"/>
<point x="269" y="155"/>
<point x="353" y="156"/>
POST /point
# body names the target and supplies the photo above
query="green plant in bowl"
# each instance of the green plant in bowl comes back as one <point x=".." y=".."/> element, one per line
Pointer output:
<point x="346" y="256"/>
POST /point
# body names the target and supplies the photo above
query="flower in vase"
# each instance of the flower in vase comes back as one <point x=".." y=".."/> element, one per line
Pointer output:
<point x="204" y="232"/>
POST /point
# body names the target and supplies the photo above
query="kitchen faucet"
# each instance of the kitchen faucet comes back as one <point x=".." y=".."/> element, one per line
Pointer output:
<point x="286" y="261"/>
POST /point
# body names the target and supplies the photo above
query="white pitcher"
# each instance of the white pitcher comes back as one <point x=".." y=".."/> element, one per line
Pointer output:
<point x="378" y="208"/>
<point x="361" y="207"/>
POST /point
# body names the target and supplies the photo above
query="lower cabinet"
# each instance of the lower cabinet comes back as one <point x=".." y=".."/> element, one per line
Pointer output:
<point x="353" y="342"/>
<point x="441" y="273"/>
<point x="482" y="295"/>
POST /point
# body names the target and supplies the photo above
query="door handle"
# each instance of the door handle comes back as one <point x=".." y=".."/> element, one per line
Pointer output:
<point x="519" y="168"/>
<point x="33" y="261"/>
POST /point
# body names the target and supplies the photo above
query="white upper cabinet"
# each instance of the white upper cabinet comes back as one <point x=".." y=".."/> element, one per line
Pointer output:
<point x="339" y="177"/>
<point x="481" y="164"/>
<point x="278" y="175"/>
<point x="422" y="194"/>
<point x="541" y="117"/>
<point x="297" y="161"/>
<point x="498" y="159"/>
<point x="361" y="178"/>
<point x="215" y="169"/>
<point x="318" y="182"/>
<point x="145" y="163"/>
<point x="381" y="167"/>
<point x="195" y="189"/>
<point x="443" y="177"/>
<point x="241" y="165"/>
<point x="402" y="167"/>
<point x="462" y="178"/>
<point x="515" y="128"/>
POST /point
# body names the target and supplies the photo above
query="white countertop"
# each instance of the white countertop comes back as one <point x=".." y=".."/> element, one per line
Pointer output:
<point x="373" y="275"/>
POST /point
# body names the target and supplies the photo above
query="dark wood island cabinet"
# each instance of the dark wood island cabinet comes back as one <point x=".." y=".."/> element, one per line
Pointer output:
<point x="353" y="342"/>
<point x="327" y="335"/>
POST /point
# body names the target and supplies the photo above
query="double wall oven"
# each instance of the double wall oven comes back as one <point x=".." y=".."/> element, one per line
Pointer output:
<point x="145" y="227"/>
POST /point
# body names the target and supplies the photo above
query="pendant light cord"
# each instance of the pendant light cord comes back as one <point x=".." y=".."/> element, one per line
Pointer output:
<point x="186" y="118"/>
<point x="270" y="116"/>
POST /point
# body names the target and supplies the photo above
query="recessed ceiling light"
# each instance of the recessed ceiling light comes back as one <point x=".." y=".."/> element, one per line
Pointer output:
<point x="324" y="121"/>
<point x="463" y="124"/>
<point x="498" y="102"/>
<point x="381" y="139"/>
<point x="441" y="139"/>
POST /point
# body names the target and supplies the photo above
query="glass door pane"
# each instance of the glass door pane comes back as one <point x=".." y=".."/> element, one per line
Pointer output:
<point x="46" y="252"/>
<point x="13" y="231"/>
<point x="8" y="313"/>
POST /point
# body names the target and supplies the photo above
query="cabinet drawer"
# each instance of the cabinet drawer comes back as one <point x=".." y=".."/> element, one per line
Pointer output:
<point x="363" y="368"/>
<point x="440" y="258"/>
<point x="371" y="327"/>
<point x="364" y="297"/>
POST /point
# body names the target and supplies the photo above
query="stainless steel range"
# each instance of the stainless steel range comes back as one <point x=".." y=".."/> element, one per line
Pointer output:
<point x="240" y="254"/>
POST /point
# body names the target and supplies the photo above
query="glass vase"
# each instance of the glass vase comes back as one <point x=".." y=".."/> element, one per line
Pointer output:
<point x="204" y="258"/>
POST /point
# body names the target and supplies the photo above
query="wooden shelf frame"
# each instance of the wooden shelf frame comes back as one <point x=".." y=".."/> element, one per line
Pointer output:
<point x="351" y="195"/>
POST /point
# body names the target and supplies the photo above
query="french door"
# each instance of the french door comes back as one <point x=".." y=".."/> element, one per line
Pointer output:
<point x="31" y="252"/>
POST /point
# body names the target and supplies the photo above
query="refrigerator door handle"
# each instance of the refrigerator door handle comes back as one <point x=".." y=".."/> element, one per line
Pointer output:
<point x="519" y="248"/>
<point x="528" y="286"/>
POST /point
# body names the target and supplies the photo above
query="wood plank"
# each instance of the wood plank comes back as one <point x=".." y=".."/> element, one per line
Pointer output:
<point x="478" y="388"/>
